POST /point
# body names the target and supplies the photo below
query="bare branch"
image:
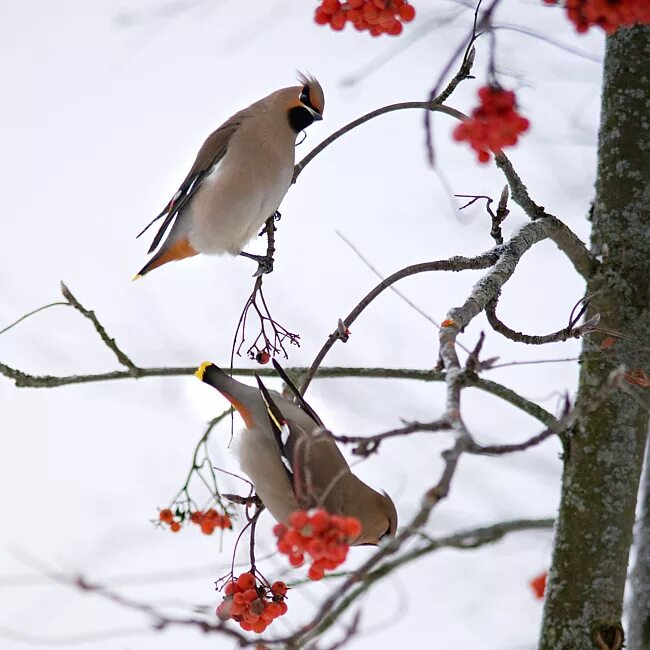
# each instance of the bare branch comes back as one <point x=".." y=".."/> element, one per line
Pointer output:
<point x="457" y="263"/>
<point x="428" y="106"/>
<point x="368" y="445"/>
<point x="31" y="313"/>
<point x="532" y="339"/>
<point x="565" y="239"/>
<point x="110" y="343"/>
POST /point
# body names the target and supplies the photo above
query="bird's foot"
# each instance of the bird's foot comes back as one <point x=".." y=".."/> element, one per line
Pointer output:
<point x="264" y="263"/>
<point x="276" y="217"/>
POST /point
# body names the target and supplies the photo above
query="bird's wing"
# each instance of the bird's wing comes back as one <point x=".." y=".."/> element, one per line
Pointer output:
<point x="313" y="461"/>
<point x="300" y="400"/>
<point x="212" y="151"/>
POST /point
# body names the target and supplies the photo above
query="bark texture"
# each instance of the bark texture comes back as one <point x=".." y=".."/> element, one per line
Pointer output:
<point x="604" y="452"/>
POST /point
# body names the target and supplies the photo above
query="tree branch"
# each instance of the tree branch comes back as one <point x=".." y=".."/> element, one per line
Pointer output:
<point x="457" y="263"/>
<point x="432" y="105"/>
<point x="110" y="343"/>
<point x="565" y="239"/>
<point x="532" y="339"/>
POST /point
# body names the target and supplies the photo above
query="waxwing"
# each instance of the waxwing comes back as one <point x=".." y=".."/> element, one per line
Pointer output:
<point x="239" y="178"/>
<point x="294" y="462"/>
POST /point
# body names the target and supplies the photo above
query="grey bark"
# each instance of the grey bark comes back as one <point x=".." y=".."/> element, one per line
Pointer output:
<point x="639" y="631"/>
<point x="604" y="451"/>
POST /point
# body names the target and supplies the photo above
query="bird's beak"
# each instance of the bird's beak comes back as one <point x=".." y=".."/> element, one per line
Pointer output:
<point x="315" y="114"/>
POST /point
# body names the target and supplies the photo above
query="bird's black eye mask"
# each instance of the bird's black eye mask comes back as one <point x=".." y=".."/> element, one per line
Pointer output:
<point x="306" y="99"/>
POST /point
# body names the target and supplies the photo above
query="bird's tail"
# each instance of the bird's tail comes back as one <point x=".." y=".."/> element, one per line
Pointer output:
<point x="179" y="250"/>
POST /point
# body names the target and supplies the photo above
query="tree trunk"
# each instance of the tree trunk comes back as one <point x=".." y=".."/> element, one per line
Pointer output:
<point x="604" y="451"/>
<point x="639" y="633"/>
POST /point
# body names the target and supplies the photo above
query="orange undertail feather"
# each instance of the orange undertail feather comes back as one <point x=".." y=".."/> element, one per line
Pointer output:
<point x="178" y="251"/>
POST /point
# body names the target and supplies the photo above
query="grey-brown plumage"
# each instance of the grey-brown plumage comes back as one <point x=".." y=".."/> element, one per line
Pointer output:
<point x="239" y="177"/>
<point x="294" y="462"/>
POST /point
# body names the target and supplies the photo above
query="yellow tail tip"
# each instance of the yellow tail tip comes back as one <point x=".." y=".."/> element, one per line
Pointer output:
<point x="202" y="368"/>
<point x="137" y="276"/>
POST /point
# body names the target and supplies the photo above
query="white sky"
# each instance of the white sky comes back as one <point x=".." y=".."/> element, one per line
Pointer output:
<point x="104" y="106"/>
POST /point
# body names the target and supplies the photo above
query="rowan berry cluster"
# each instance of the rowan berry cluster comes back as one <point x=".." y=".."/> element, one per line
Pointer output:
<point x="494" y="124"/>
<point x="252" y="605"/>
<point x="376" y="16"/>
<point x="607" y="14"/>
<point x="324" y="537"/>
<point x="208" y="520"/>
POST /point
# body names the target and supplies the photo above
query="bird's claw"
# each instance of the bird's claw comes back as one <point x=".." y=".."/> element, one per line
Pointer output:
<point x="264" y="265"/>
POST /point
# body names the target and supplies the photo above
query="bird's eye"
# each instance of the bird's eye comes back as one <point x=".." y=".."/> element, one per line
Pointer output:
<point x="304" y="95"/>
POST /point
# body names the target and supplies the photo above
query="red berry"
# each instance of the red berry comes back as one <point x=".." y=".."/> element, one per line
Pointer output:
<point x="296" y="559"/>
<point x="338" y="20"/>
<point x="299" y="519"/>
<point x="279" y="530"/>
<point x="166" y="516"/>
<point x="259" y="626"/>
<point x="352" y="527"/>
<point x="319" y="520"/>
<point x="315" y="572"/>
<point x="207" y="527"/>
<point x="538" y="585"/>
<point x="330" y="6"/>
<point x="250" y="595"/>
<point x="175" y="526"/>
<point x="407" y="13"/>
<point x="246" y="581"/>
<point x="279" y="588"/>
<point x="273" y="609"/>
<point x="321" y="18"/>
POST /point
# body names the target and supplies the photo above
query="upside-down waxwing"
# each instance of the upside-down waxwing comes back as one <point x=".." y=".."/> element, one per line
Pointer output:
<point x="294" y="462"/>
<point x="239" y="177"/>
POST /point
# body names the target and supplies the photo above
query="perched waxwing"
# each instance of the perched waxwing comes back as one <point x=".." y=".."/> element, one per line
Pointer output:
<point x="239" y="177"/>
<point x="293" y="461"/>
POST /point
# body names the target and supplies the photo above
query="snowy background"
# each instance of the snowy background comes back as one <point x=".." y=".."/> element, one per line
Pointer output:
<point x="104" y="106"/>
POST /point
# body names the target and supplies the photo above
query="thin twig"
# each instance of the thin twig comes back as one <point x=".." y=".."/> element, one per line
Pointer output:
<point x="532" y="339"/>
<point x="108" y="341"/>
<point x="31" y="313"/>
<point x="368" y="445"/>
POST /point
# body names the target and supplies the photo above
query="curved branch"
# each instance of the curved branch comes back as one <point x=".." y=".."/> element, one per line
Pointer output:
<point x="532" y="339"/>
<point x="432" y="105"/>
<point x="457" y="263"/>
<point x="565" y="239"/>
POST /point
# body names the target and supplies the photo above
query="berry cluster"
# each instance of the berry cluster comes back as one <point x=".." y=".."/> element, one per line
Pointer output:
<point x="326" y="538"/>
<point x="252" y="605"/>
<point x="494" y="124"/>
<point x="376" y="16"/>
<point x="607" y="14"/>
<point x="208" y="520"/>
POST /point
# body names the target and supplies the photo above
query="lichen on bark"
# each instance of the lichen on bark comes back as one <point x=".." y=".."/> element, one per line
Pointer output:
<point x="604" y="454"/>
